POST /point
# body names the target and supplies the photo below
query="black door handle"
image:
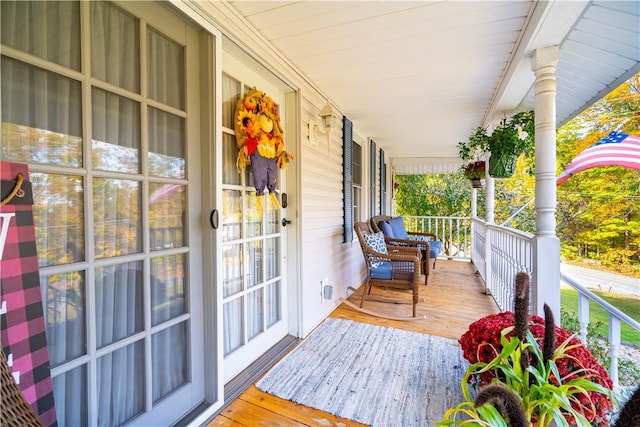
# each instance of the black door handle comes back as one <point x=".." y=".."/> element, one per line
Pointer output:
<point x="285" y="222"/>
<point x="213" y="219"/>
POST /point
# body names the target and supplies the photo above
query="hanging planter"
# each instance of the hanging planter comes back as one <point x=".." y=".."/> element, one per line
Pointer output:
<point x="512" y="137"/>
<point x="474" y="172"/>
<point x="502" y="165"/>
<point x="477" y="183"/>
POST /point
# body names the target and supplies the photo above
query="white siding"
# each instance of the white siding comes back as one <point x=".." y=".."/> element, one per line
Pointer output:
<point x="324" y="255"/>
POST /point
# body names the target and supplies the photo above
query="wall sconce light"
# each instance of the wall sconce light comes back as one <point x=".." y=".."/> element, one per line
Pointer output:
<point x="329" y="119"/>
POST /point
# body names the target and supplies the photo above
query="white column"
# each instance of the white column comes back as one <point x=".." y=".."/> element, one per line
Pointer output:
<point x="490" y="198"/>
<point x="546" y="262"/>
<point x="474" y="202"/>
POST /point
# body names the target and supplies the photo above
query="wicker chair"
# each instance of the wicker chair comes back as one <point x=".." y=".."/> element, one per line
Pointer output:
<point x="430" y="243"/>
<point x="14" y="408"/>
<point x="397" y="269"/>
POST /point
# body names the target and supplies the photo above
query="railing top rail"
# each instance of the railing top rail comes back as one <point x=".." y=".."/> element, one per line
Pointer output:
<point x="595" y="298"/>
<point x="436" y="217"/>
<point x="512" y="231"/>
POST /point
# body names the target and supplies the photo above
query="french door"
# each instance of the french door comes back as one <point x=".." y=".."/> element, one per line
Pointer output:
<point x="254" y="297"/>
<point x="96" y="99"/>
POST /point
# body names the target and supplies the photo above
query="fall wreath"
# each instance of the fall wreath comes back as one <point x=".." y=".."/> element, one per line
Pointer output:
<point x="260" y="140"/>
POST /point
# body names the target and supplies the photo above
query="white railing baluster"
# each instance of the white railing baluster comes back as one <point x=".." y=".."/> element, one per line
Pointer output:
<point x="583" y="316"/>
<point x="614" y="344"/>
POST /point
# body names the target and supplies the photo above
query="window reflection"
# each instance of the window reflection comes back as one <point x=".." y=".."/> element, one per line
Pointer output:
<point x="165" y="70"/>
<point x="231" y="215"/>
<point x="119" y="302"/>
<point x="115" y="35"/>
<point x="170" y="368"/>
<point x="232" y="269"/>
<point x="255" y="306"/>
<point x="166" y="144"/>
<point x="58" y="215"/>
<point x="168" y="288"/>
<point x="64" y="296"/>
<point x="41" y="123"/>
<point x="116" y="217"/>
<point x="254" y="263"/>
<point x="116" y="132"/>
<point x="167" y="206"/>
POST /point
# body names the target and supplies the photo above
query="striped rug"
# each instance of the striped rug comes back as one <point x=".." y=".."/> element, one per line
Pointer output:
<point x="371" y="374"/>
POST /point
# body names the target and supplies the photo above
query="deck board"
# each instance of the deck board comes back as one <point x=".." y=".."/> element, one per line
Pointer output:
<point x="453" y="299"/>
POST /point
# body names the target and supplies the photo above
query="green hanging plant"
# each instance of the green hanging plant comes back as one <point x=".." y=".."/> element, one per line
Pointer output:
<point x="512" y="137"/>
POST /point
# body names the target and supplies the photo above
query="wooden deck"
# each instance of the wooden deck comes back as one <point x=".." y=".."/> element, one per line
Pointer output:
<point x="453" y="299"/>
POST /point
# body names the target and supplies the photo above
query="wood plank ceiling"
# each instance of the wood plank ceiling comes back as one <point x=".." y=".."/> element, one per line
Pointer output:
<point x="419" y="76"/>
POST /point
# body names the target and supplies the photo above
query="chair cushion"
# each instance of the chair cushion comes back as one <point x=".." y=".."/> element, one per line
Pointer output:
<point x="376" y="242"/>
<point x="435" y="247"/>
<point x="397" y="225"/>
<point x="386" y="228"/>
<point x="381" y="270"/>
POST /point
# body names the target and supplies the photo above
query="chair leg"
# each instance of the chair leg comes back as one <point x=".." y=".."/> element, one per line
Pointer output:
<point x="425" y="267"/>
<point x="365" y="291"/>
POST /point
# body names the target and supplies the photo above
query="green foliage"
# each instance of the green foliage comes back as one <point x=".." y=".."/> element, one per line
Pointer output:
<point x="598" y="345"/>
<point x="598" y="211"/>
<point x="512" y="136"/>
<point x="543" y="398"/>
<point x="599" y="317"/>
<point x="471" y="149"/>
<point x="433" y="195"/>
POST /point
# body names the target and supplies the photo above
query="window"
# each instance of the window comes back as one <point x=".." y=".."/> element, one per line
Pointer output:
<point x="110" y="204"/>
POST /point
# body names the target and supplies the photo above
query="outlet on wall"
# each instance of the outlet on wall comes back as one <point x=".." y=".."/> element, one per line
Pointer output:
<point x="324" y="282"/>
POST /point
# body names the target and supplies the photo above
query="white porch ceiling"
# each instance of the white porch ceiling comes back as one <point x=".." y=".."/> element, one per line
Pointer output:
<point x="419" y="76"/>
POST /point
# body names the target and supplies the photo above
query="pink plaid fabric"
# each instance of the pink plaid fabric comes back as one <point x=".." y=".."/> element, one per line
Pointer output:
<point x="22" y="328"/>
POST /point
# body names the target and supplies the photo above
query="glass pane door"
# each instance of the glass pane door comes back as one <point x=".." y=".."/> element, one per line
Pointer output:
<point x="110" y="190"/>
<point x="252" y="254"/>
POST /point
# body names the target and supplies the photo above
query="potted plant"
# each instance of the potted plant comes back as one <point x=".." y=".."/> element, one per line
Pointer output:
<point x="470" y="152"/>
<point x="511" y="137"/>
<point x="543" y="373"/>
<point x="475" y="172"/>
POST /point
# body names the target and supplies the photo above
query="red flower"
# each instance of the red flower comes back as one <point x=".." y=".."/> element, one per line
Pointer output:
<point x="481" y="343"/>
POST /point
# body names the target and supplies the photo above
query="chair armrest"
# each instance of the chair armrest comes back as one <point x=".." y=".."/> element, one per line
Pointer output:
<point x="415" y="233"/>
<point x="398" y="254"/>
<point x="395" y="243"/>
<point x="404" y="250"/>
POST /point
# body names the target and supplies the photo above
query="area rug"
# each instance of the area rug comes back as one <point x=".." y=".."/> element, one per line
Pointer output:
<point x="371" y="374"/>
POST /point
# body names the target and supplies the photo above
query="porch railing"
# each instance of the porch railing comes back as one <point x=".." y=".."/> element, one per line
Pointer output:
<point x="454" y="231"/>
<point x="585" y="296"/>
<point x="510" y="251"/>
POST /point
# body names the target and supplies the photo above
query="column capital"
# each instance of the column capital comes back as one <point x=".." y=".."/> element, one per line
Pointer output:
<point x="545" y="56"/>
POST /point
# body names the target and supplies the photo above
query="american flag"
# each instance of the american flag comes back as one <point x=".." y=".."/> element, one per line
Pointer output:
<point x="616" y="149"/>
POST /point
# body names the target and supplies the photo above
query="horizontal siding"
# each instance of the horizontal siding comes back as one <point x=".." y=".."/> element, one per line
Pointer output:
<point x="324" y="255"/>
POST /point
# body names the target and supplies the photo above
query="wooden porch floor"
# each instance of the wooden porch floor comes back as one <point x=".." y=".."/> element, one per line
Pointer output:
<point x="453" y="299"/>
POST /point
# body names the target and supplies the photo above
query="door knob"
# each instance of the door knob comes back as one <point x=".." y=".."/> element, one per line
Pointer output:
<point x="285" y="222"/>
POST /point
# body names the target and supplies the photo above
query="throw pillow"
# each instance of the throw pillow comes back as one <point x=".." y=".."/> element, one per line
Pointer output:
<point x="386" y="228"/>
<point x="376" y="241"/>
<point x="397" y="225"/>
